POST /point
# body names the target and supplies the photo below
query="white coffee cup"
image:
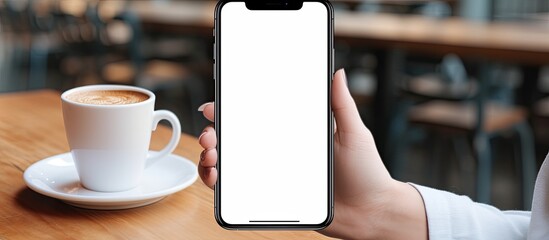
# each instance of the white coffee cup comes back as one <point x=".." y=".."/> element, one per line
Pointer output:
<point x="110" y="143"/>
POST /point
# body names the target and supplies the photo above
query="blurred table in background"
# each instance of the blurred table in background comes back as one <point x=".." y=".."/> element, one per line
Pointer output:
<point x="542" y="18"/>
<point x="521" y="43"/>
<point x="189" y="17"/>
<point x="353" y="4"/>
<point x="394" y="2"/>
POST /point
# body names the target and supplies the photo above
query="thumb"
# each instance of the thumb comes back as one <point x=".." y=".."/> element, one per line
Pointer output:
<point x="346" y="114"/>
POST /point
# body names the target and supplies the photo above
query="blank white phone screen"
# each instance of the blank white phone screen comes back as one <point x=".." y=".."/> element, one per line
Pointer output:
<point x="274" y="122"/>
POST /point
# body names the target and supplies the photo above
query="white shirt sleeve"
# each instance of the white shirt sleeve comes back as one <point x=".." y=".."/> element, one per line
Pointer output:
<point x="539" y="225"/>
<point x="451" y="216"/>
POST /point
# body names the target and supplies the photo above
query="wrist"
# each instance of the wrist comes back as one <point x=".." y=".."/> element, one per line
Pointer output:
<point x="369" y="216"/>
<point x="403" y="215"/>
<point x="358" y="217"/>
<point x="395" y="211"/>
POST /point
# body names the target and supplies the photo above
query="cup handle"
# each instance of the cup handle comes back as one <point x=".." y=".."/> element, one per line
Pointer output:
<point x="176" y="135"/>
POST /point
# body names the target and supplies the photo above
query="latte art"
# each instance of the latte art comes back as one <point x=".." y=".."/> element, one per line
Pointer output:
<point x="108" y="97"/>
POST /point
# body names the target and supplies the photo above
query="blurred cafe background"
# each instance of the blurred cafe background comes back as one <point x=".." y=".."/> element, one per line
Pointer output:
<point x="453" y="90"/>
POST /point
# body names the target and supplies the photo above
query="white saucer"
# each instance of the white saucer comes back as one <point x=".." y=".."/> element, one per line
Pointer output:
<point x="56" y="177"/>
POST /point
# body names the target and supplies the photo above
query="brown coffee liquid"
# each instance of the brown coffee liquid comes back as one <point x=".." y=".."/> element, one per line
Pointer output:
<point x="108" y="97"/>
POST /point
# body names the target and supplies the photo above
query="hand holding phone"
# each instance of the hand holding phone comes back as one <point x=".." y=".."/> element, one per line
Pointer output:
<point x="368" y="202"/>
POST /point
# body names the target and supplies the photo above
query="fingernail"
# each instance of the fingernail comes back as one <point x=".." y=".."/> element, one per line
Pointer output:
<point x="201" y="135"/>
<point x="344" y="75"/>
<point x="201" y="108"/>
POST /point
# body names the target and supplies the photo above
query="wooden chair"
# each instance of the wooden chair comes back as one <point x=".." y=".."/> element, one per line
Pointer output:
<point x="446" y="108"/>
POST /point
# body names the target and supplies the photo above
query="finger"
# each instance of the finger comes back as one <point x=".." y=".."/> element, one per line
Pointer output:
<point x="208" y="110"/>
<point x="208" y="138"/>
<point x="208" y="157"/>
<point x="208" y="176"/>
<point x="344" y="107"/>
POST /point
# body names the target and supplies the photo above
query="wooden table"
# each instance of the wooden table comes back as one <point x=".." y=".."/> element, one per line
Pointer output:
<point x="31" y="128"/>
<point x="519" y="42"/>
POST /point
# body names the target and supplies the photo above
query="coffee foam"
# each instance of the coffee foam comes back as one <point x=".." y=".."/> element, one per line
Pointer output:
<point x="107" y="97"/>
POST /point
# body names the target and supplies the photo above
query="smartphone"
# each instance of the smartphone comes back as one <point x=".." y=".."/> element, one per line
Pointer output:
<point x="274" y="124"/>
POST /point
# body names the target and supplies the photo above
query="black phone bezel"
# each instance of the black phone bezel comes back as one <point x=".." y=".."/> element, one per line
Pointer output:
<point x="274" y="5"/>
<point x="264" y="5"/>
